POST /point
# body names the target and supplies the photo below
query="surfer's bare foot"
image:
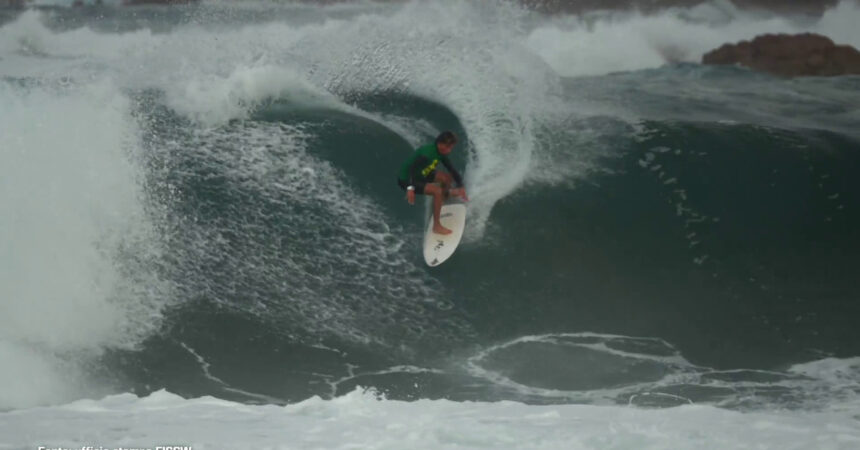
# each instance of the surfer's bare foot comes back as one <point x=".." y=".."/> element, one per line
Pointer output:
<point x="439" y="229"/>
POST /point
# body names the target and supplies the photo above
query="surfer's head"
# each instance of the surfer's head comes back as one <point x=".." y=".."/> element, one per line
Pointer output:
<point x="445" y="142"/>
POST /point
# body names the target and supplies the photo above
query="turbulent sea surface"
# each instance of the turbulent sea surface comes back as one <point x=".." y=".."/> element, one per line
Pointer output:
<point x="200" y="225"/>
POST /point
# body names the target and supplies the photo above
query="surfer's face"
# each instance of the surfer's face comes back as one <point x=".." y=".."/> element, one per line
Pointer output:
<point x="445" y="148"/>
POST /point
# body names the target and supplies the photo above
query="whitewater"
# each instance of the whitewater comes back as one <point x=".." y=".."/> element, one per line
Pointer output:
<point x="362" y="420"/>
<point x="203" y="245"/>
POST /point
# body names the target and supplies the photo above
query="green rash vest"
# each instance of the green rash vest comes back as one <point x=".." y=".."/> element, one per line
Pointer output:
<point x="422" y="163"/>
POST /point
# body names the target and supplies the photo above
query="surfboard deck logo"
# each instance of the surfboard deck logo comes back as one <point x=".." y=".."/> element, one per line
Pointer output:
<point x="437" y="247"/>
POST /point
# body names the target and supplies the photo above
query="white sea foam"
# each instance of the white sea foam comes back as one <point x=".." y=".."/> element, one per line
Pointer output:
<point x="362" y="420"/>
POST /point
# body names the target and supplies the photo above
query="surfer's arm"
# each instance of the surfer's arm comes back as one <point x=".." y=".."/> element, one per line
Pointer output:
<point x="450" y="167"/>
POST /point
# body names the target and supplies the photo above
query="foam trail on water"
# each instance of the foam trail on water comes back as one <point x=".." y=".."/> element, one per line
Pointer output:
<point x="613" y="369"/>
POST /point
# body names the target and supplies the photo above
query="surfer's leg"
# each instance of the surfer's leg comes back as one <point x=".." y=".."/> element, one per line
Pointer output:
<point x="436" y="191"/>
<point x="443" y="181"/>
<point x="447" y="181"/>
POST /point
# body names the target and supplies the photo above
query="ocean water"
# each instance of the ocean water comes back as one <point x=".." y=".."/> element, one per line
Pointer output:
<point x="200" y="227"/>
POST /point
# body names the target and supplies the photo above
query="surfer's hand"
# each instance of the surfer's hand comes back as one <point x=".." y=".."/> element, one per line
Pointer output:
<point x="463" y="195"/>
<point x="410" y="197"/>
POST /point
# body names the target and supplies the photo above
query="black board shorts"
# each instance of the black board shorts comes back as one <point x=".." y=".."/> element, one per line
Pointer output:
<point x="419" y="185"/>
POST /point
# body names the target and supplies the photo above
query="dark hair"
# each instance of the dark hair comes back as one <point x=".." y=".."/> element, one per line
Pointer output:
<point x="446" y="137"/>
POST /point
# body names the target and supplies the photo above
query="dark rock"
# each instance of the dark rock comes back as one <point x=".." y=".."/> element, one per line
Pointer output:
<point x="789" y="55"/>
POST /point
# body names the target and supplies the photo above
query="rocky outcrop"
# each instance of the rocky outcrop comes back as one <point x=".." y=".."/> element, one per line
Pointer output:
<point x="789" y="55"/>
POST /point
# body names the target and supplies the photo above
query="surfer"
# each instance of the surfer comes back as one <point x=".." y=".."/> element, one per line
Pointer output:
<point x="419" y="175"/>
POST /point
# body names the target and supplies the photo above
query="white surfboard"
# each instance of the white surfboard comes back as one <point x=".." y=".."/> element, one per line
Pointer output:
<point x="439" y="247"/>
